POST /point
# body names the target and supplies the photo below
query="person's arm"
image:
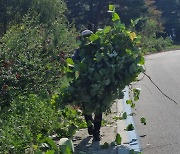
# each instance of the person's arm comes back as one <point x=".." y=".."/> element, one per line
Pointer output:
<point x="76" y="56"/>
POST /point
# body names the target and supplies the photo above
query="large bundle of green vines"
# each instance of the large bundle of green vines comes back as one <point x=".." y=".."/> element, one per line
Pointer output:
<point x="109" y="60"/>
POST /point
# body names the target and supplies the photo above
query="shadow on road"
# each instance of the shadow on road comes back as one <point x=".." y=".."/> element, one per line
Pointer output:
<point x="87" y="146"/>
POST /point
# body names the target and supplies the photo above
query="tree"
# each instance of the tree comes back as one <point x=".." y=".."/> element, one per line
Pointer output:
<point x="171" y="16"/>
<point x="93" y="14"/>
<point x="47" y="11"/>
<point x="3" y="16"/>
<point x="153" y="22"/>
<point x="32" y="52"/>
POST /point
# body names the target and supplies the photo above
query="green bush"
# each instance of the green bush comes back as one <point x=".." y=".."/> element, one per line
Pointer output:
<point x="152" y="44"/>
<point x="23" y="121"/>
<point x="32" y="58"/>
<point x="30" y="120"/>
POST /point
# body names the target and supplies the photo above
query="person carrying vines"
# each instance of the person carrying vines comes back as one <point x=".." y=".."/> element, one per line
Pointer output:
<point x="105" y="62"/>
<point x="94" y="124"/>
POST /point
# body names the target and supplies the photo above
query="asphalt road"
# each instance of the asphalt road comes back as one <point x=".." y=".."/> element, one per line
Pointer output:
<point x="161" y="135"/>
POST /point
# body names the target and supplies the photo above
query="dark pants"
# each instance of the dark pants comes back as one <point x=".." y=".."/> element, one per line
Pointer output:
<point x="97" y="121"/>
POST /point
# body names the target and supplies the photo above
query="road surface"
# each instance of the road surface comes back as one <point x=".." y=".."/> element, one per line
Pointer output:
<point x="161" y="135"/>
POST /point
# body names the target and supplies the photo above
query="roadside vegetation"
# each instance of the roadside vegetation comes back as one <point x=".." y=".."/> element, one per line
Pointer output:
<point x="41" y="86"/>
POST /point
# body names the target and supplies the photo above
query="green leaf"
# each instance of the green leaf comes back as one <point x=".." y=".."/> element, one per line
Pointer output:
<point x="98" y="56"/>
<point x="118" y="139"/>
<point x="130" y="127"/>
<point x="105" y="146"/>
<point x="140" y="60"/>
<point x="93" y="37"/>
<point x="132" y="151"/>
<point x="107" y="82"/>
<point x="132" y="68"/>
<point x="115" y="17"/>
<point x="70" y="62"/>
<point x="136" y="94"/>
<point x="117" y="118"/>
<point x="91" y="69"/>
<point x="38" y="152"/>
<point x="133" y="105"/>
<point x="72" y="129"/>
<point x="68" y="150"/>
<point x="82" y="67"/>
<point x="111" y="8"/>
<point x="66" y="146"/>
<point x="107" y="29"/>
<point x="51" y="143"/>
<point x="134" y="22"/>
<point x="89" y="123"/>
<point x="129" y="102"/>
<point x="124" y="116"/>
<point x="143" y="120"/>
<point x="39" y="136"/>
<point x="77" y="74"/>
<point x="50" y="152"/>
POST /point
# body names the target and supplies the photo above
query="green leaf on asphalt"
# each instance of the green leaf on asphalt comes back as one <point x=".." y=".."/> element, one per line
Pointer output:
<point x="132" y="152"/>
<point x="132" y="114"/>
<point x="129" y="102"/>
<point x="124" y="116"/>
<point x="143" y="120"/>
<point x="117" y="118"/>
<point x="118" y="139"/>
<point x="136" y="94"/>
<point x="133" y="105"/>
<point x="130" y="127"/>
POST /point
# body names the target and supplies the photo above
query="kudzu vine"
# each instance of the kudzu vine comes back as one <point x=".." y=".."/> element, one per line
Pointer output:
<point x="110" y="59"/>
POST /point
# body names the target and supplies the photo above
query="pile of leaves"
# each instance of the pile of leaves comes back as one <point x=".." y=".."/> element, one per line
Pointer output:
<point x="108" y="60"/>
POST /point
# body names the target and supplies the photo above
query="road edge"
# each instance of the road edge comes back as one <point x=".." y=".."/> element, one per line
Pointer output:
<point x="132" y="137"/>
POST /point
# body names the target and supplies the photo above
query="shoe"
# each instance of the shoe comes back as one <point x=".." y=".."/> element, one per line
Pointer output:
<point x="96" y="136"/>
<point x="90" y="130"/>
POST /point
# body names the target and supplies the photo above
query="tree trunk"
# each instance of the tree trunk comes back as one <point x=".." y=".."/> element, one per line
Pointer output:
<point x="94" y="13"/>
<point x="91" y="17"/>
<point x="4" y="16"/>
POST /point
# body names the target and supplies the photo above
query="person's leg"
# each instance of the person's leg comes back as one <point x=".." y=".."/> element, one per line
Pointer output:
<point x="89" y="121"/>
<point x="97" y="126"/>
